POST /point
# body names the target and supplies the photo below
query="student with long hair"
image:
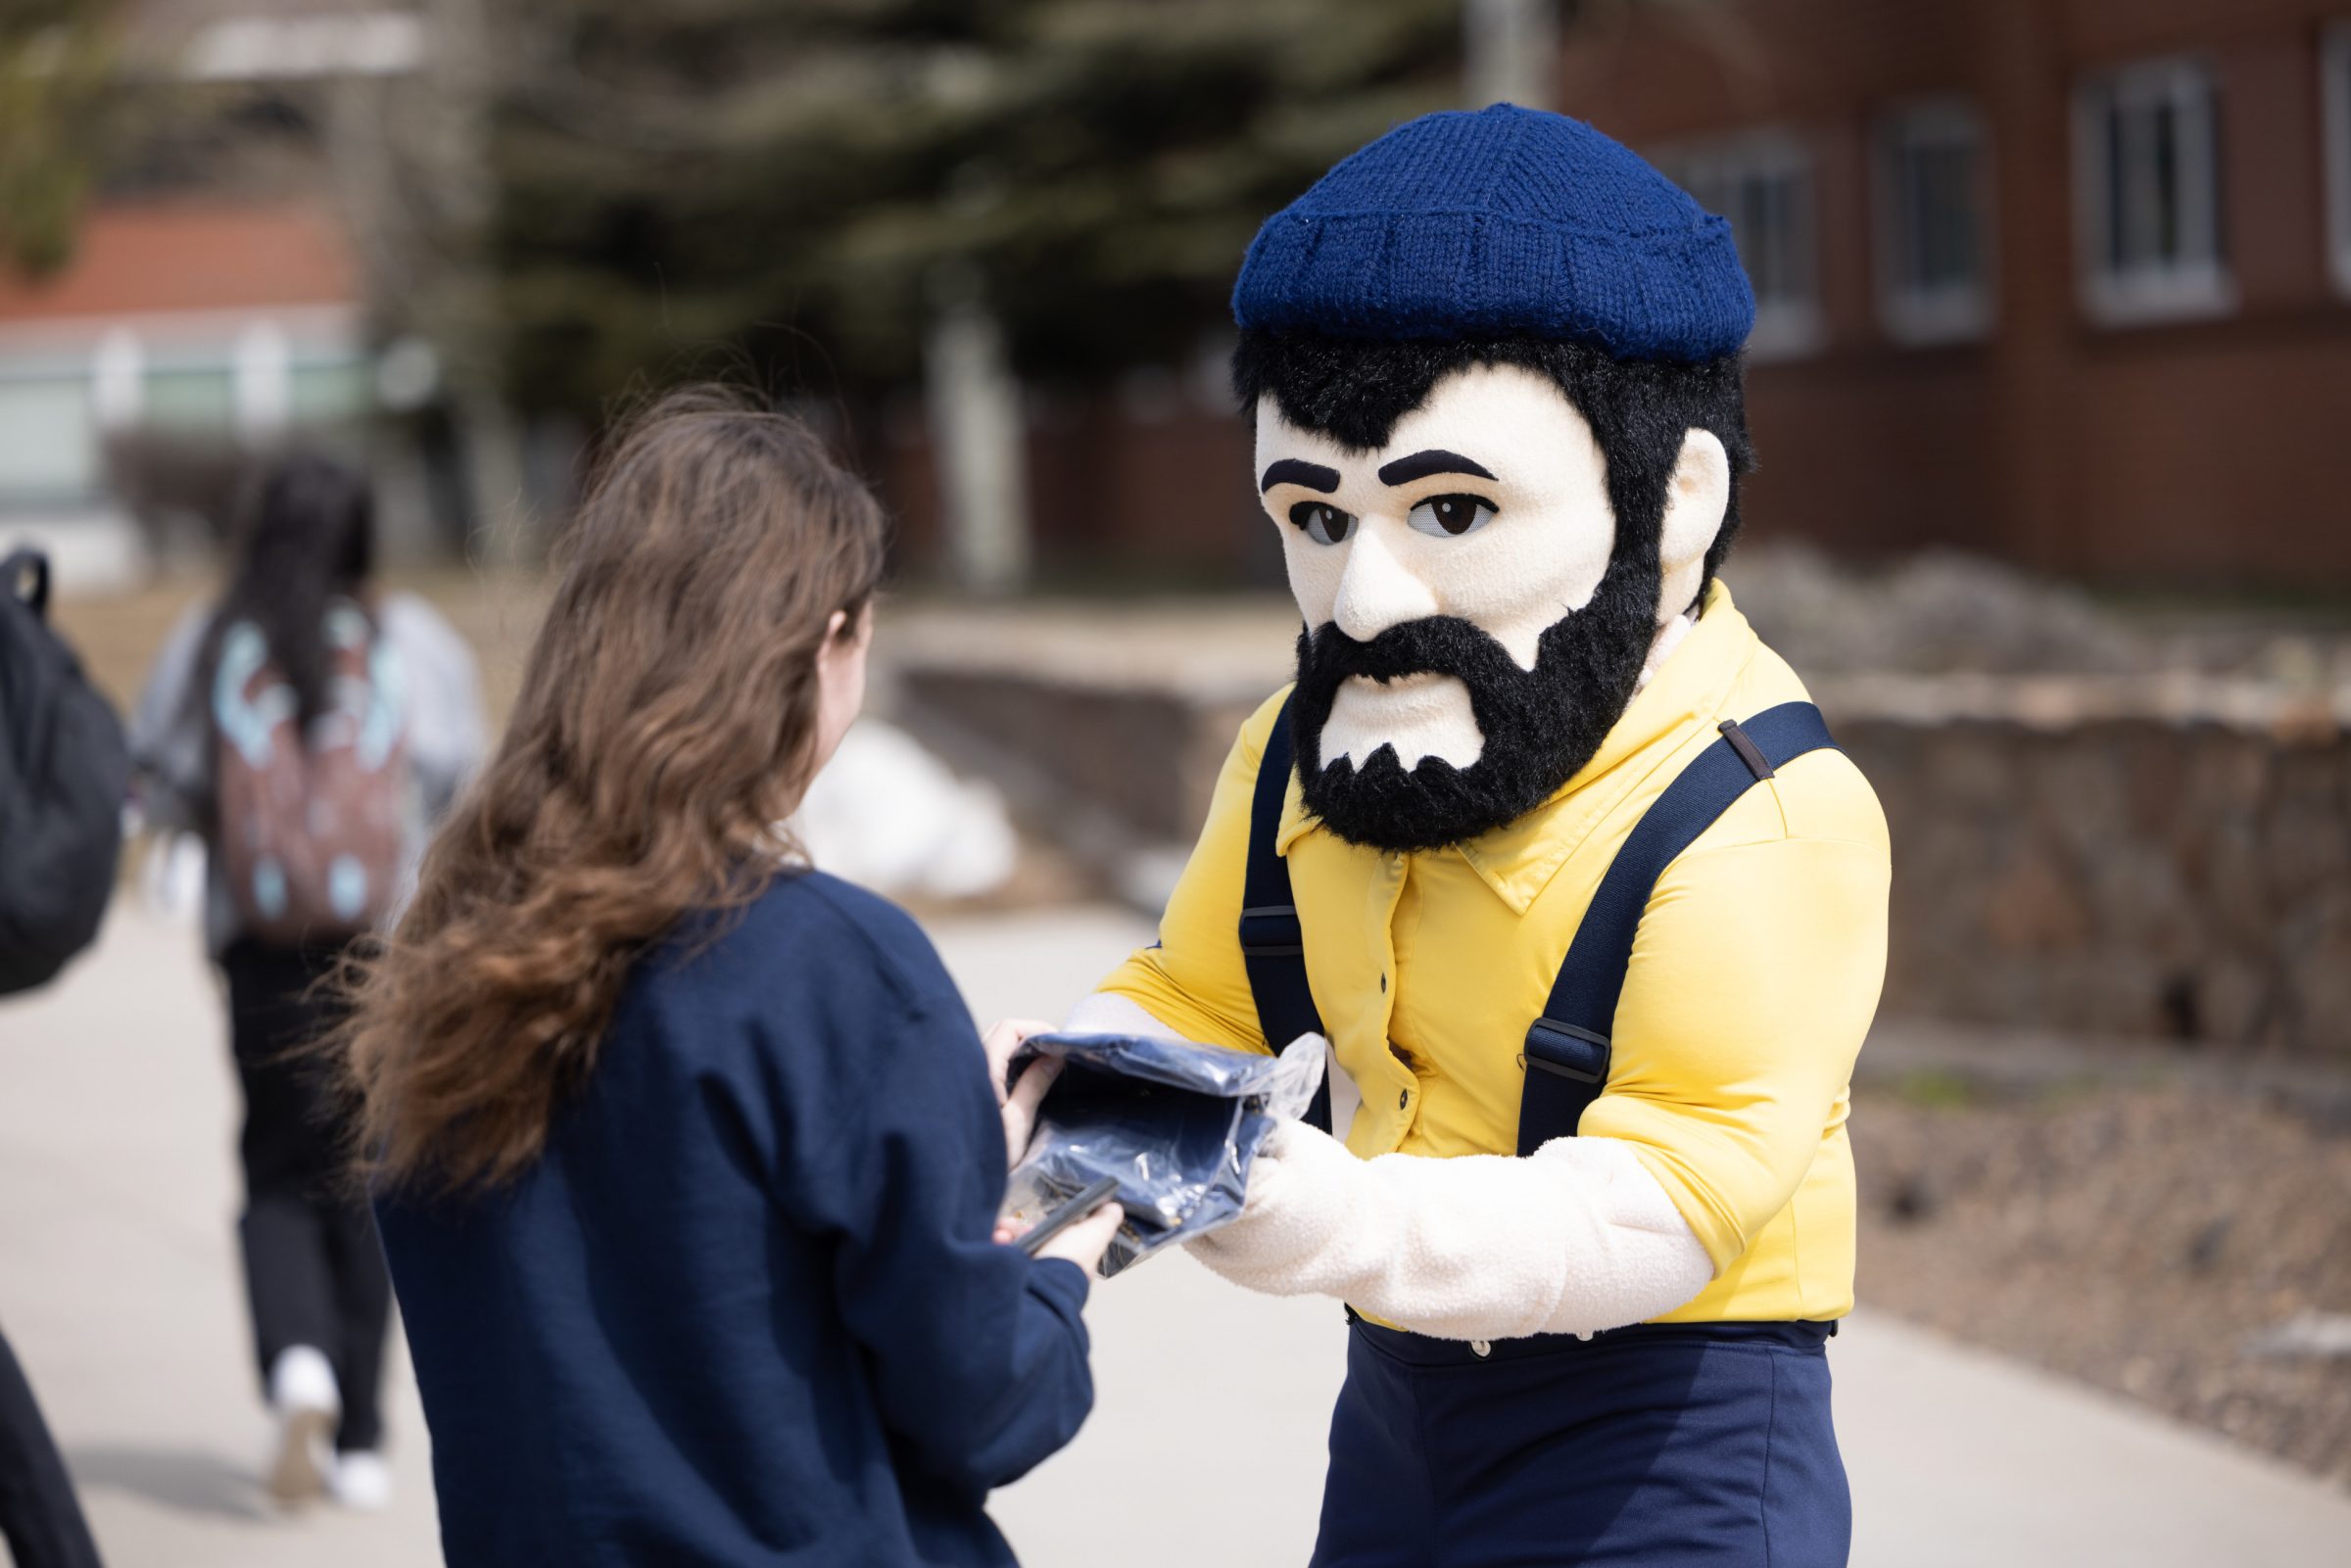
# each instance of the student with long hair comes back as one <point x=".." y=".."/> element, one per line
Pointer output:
<point x="309" y="728"/>
<point x="685" y="1152"/>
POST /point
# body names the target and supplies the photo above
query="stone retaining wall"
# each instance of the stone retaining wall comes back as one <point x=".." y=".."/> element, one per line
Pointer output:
<point x="2155" y="857"/>
<point x="2083" y="857"/>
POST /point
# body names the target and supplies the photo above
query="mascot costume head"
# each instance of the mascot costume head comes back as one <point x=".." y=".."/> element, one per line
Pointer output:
<point x="1494" y="364"/>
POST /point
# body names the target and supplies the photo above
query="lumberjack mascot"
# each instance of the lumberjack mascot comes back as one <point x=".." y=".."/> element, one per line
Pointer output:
<point x="1558" y="855"/>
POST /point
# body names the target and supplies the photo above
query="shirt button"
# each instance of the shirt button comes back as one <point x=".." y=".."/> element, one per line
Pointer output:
<point x="1481" y="1349"/>
<point x="1404" y="1099"/>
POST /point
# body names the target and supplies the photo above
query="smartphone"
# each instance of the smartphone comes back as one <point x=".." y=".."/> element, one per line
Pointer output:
<point x="1098" y="1193"/>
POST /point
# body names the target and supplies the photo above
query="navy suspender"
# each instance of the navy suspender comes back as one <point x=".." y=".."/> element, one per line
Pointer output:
<point x="1566" y="1051"/>
<point x="1567" y="1048"/>
<point x="1272" y="945"/>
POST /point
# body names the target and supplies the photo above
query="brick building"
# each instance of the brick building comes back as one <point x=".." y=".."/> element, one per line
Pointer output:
<point x="178" y="329"/>
<point x="2067" y="281"/>
<point x="214" y="305"/>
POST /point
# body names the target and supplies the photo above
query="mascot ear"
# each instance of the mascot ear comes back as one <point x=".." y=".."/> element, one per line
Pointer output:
<point x="1696" y="498"/>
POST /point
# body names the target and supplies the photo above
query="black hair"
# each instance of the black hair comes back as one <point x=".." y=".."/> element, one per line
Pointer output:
<point x="1355" y="390"/>
<point x="308" y="537"/>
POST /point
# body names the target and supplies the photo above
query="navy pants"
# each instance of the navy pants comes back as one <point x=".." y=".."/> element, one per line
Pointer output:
<point x="1666" y="1446"/>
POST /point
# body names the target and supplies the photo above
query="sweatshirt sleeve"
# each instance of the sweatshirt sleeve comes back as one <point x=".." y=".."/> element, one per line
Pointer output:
<point x="976" y="1352"/>
<point x="169" y="732"/>
<point x="445" y="732"/>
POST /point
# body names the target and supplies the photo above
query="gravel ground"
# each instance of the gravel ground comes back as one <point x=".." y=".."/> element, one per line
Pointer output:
<point x="2144" y="1240"/>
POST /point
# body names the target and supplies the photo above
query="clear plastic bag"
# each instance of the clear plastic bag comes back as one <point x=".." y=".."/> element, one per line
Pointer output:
<point x="1176" y="1124"/>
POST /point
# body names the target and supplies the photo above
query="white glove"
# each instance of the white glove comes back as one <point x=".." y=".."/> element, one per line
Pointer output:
<point x="1575" y="1239"/>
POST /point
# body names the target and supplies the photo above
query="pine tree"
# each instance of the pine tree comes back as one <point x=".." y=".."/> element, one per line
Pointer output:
<point x="56" y="66"/>
<point x="801" y="178"/>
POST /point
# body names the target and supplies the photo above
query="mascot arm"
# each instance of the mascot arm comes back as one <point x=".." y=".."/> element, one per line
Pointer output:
<point x="1115" y="1013"/>
<point x="1192" y="982"/>
<point x="1576" y="1239"/>
<point x="1753" y="982"/>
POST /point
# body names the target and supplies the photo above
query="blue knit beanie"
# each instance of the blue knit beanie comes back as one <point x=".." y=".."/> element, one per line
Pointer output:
<point x="1506" y="222"/>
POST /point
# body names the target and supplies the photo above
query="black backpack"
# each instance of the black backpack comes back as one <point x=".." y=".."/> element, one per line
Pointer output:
<point x="63" y="770"/>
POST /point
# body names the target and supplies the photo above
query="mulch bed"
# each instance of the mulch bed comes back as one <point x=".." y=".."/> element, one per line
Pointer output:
<point x="2144" y="1240"/>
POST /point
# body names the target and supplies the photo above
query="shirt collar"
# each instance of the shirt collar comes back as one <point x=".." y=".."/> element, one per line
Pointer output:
<point x="1519" y="859"/>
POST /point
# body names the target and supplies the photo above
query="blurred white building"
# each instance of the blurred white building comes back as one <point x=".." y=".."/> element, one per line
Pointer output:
<point x="214" y="305"/>
<point x="199" y="327"/>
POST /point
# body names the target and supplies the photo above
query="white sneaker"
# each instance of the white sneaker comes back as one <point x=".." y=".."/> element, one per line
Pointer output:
<point x="309" y="1402"/>
<point x="362" y="1480"/>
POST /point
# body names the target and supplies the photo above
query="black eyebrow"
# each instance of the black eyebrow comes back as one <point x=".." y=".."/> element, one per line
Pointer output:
<point x="1298" y="471"/>
<point x="1421" y="465"/>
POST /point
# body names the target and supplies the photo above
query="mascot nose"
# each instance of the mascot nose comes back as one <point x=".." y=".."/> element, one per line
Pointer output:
<point x="1377" y="591"/>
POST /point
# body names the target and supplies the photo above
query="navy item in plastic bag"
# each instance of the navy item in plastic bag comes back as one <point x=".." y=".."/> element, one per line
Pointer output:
<point x="1176" y="1124"/>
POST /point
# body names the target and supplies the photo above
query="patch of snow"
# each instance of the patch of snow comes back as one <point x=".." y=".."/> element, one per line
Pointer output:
<point x="887" y="814"/>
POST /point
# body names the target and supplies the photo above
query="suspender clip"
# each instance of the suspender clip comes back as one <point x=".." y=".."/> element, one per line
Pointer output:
<point x="1567" y="1050"/>
<point x="1749" y="752"/>
<point x="1272" y="930"/>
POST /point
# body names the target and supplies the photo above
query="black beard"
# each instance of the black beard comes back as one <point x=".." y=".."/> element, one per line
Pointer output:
<point x="1540" y="726"/>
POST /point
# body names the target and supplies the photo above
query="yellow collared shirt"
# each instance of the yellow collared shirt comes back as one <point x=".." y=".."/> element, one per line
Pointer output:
<point x="1752" y="981"/>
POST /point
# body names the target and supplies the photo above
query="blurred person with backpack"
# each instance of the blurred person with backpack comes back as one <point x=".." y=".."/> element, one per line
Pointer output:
<point x="310" y="730"/>
<point x="63" y="777"/>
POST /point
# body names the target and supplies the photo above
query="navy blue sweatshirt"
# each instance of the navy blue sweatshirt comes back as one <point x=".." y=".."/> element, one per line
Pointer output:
<point x="747" y="1309"/>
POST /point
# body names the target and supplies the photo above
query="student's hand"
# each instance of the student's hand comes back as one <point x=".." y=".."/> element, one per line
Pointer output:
<point x="1002" y="1042"/>
<point x="1084" y="1243"/>
<point x="1019" y="1105"/>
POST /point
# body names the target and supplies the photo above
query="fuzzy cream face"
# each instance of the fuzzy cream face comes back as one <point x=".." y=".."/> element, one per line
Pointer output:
<point x="1488" y="504"/>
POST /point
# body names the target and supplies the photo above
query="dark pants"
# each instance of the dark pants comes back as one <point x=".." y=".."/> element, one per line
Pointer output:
<point x="1660" y="1446"/>
<point x="39" y="1519"/>
<point x="313" y="1269"/>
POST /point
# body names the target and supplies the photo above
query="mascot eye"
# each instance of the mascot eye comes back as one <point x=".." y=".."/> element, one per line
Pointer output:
<point x="1323" y="523"/>
<point x="1448" y="515"/>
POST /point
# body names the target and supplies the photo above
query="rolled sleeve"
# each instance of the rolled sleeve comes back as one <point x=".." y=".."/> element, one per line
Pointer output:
<point x="1753" y="982"/>
<point x="1193" y="981"/>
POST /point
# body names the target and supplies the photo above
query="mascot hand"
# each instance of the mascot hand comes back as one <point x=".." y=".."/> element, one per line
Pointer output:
<point x="1306" y="1217"/>
<point x="1576" y="1239"/>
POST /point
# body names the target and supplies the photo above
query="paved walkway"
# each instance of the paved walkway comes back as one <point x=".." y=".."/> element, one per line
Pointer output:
<point x="118" y="1286"/>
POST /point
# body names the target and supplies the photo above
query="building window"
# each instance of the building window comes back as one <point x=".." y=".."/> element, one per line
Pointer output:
<point x="2335" y="62"/>
<point x="330" y="392"/>
<point x="2148" y="171"/>
<point x="1934" y="224"/>
<point x="48" y="441"/>
<point x="197" y="399"/>
<point x="1764" y="184"/>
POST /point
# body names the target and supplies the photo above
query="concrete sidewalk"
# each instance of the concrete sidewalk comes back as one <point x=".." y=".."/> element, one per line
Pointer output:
<point x="119" y="1285"/>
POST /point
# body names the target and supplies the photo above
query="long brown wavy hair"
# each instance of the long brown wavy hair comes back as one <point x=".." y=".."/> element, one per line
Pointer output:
<point x="666" y="724"/>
